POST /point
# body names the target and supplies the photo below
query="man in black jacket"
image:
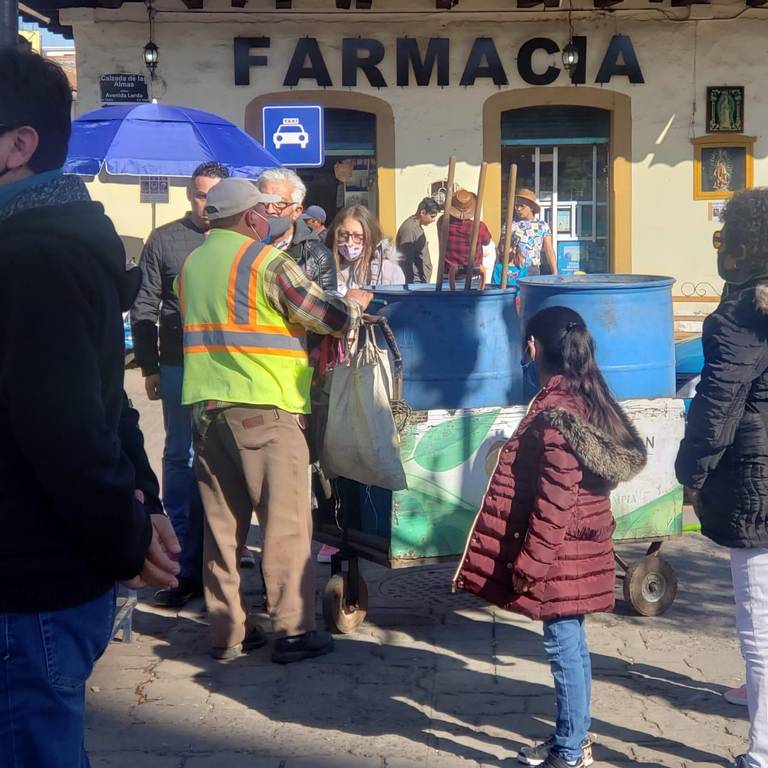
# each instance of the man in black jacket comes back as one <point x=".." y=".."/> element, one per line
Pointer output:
<point x="71" y="519"/>
<point x="162" y="366"/>
<point x="723" y="459"/>
<point x="292" y="234"/>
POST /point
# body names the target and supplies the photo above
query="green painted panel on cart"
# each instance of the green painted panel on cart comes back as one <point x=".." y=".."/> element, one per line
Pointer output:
<point x="658" y="518"/>
<point x="428" y="521"/>
<point x="451" y="443"/>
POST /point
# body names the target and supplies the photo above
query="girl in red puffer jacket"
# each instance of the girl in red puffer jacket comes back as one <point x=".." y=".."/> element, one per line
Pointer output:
<point x="541" y="544"/>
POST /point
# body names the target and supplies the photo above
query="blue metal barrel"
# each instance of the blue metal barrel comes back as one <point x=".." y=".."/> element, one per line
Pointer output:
<point x="631" y="319"/>
<point x="461" y="349"/>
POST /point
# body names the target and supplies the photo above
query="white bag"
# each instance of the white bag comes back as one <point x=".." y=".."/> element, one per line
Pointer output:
<point x="489" y="258"/>
<point x="360" y="437"/>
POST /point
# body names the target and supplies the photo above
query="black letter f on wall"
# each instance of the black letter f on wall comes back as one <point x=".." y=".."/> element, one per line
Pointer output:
<point x="244" y="60"/>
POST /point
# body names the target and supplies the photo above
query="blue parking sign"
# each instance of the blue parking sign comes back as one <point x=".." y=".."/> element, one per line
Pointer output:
<point x="293" y="133"/>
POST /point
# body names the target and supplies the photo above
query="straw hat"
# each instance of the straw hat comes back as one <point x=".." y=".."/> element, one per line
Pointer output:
<point x="528" y="197"/>
<point x="463" y="204"/>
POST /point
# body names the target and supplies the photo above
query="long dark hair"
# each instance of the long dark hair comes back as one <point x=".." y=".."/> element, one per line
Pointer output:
<point x="569" y="350"/>
<point x="359" y="271"/>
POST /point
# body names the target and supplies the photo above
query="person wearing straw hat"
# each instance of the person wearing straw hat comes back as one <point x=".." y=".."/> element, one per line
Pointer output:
<point x="462" y="212"/>
<point x="531" y="236"/>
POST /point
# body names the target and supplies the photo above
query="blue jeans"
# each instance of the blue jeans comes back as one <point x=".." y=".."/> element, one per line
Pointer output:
<point x="181" y="498"/>
<point x="45" y="660"/>
<point x="565" y="644"/>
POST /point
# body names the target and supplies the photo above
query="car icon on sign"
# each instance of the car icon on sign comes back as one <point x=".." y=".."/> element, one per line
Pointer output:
<point x="291" y="131"/>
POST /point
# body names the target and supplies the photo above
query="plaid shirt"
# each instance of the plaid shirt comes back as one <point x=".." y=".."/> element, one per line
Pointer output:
<point x="304" y="303"/>
<point x="460" y="240"/>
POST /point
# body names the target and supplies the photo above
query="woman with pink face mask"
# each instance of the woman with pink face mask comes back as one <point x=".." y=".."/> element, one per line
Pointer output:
<point x="363" y="258"/>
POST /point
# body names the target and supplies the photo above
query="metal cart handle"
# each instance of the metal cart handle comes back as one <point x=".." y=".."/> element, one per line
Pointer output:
<point x="397" y="357"/>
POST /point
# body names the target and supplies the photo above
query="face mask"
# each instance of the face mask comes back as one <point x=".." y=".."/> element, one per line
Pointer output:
<point x="350" y="251"/>
<point x="272" y="227"/>
<point x="278" y="225"/>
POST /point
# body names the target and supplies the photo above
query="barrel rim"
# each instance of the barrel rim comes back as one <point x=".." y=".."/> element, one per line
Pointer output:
<point x="589" y="282"/>
<point x="428" y="289"/>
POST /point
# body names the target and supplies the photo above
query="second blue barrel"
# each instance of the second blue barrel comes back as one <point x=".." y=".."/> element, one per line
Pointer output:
<point x="631" y="319"/>
<point x="461" y="349"/>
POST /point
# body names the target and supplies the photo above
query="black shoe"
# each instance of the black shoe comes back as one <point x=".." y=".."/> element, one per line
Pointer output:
<point x="555" y="761"/>
<point x="253" y="640"/>
<point x="179" y="597"/>
<point x="299" y="647"/>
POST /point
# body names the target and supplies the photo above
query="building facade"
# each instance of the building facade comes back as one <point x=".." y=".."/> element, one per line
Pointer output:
<point x="632" y="153"/>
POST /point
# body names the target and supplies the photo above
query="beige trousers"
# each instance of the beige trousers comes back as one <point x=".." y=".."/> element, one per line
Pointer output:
<point x="254" y="458"/>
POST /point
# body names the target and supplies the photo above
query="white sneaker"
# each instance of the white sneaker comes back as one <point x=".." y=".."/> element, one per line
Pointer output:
<point x="737" y="696"/>
<point x="538" y="753"/>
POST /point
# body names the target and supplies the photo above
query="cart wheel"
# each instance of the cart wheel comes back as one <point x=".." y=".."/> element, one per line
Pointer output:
<point x="650" y="586"/>
<point x="339" y="616"/>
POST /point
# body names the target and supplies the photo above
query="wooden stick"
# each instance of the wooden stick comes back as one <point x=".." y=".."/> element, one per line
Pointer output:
<point x="445" y="223"/>
<point x="476" y="227"/>
<point x="511" y="192"/>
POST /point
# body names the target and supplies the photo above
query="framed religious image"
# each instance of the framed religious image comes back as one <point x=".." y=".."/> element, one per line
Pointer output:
<point x="722" y="166"/>
<point x="725" y="109"/>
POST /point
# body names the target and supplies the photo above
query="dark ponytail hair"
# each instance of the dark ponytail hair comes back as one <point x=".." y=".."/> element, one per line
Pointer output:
<point x="569" y="350"/>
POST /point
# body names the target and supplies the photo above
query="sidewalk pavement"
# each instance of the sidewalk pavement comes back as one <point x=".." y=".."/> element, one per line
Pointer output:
<point x="431" y="680"/>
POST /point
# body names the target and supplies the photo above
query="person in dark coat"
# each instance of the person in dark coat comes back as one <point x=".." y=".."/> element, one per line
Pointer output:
<point x="157" y="338"/>
<point x="541" y="544"/>
<point x="72" y="462"/>
<point x="723" y="459"/>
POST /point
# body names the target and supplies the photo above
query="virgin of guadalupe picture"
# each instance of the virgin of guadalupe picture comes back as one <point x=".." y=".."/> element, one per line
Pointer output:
<point x="723" y="169"/>
<point x="725" y="109"/>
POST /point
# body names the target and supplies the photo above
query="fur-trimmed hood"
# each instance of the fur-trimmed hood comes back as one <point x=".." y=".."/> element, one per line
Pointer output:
<point x="597" y="451"/>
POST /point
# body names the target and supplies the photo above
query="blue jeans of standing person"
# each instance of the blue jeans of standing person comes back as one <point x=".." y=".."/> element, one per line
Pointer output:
<point x="565" y="644"/>
<point x="45" y="660"/>
<point x="181" y="498"/>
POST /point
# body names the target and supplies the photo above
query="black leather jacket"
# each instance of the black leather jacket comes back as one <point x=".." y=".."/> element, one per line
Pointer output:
<point x="317" y="261"/>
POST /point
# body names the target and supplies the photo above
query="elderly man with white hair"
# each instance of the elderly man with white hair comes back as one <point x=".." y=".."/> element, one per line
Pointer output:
<point x="298" y="240"/>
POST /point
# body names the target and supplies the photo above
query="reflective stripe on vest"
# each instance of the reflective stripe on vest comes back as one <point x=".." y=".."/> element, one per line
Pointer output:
<point x="246" y="341"/>
<point x="243" y="332"/>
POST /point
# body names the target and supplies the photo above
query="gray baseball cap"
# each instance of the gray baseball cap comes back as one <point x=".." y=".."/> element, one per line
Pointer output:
<point x="232" y="196"/>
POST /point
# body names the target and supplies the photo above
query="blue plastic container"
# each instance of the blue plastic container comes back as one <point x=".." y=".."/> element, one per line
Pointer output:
<point x="461" y="349"/>
<point x="631" y="319"/>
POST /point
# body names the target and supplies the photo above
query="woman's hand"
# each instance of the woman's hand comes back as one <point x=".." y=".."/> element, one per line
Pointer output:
<point x="520" y="584"/>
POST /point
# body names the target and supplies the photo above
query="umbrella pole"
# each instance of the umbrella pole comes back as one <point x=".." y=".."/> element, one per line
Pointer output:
<point x="511" y="191"/>
<point x="476" y="227"/>
<point x="154" y="218"/>
<point x="445" y="224"/>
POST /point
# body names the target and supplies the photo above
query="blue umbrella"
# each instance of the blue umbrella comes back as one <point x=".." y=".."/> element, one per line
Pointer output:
<point x="161" y="140"/>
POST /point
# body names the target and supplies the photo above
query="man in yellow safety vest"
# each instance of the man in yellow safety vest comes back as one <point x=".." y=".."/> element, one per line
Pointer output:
<point x="246" y="309"/>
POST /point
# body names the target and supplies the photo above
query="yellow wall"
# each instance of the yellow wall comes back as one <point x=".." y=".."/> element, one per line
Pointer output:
<point x="660" y="228"/>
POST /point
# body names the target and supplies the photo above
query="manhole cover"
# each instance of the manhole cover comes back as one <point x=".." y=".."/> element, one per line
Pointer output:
<point x="427" y="586"/>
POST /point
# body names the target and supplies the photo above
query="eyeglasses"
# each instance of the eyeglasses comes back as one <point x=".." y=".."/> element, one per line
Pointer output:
<point x="277" y="208"/>
<point x="717" y="239"/>
<point x="355" y="237"/>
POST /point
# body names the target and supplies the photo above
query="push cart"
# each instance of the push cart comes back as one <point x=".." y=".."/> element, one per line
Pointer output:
<point x="448" y="457"/>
